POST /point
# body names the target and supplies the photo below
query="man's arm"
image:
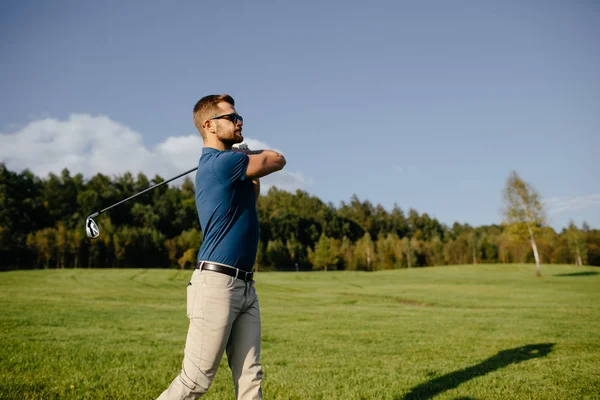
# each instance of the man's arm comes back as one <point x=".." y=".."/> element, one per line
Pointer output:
<point x="246" y="151"/>
<point x="262" y="162"/>
<point x="243" y="148"/>
<point x="265" y="163"/>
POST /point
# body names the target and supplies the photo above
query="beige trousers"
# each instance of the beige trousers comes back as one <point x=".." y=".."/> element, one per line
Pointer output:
<point x="224" y="316"/>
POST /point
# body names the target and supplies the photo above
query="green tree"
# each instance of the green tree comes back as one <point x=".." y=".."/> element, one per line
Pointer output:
<point x="361" y="212"/>
<point x="326" y="254"/>
<point x="277" y="254"/>
<point x="5" y="243"/>
<point x="22" y="211"/>
<point x="107" y="240"/>
<point x="389" y="251"/>
<point x="188" y="259"/>
<point x="576" y="243"/>
<point x="364" y="253"/>
<point x="512" y="246"/>
<point x="60" y="196"/>
<point x="523" y="212"/>
<point x="458" y="250"/>
<point x="295" y="250"/>
<point x="181" y="247"/>
<point x="490" y="237"/>
<point x="120" y="242"/>
<point x="435" y="251"/>
<point x="62" y="241"/>
<point x="347" y="254"/>
<point x="75" y="245"/>
<point x="398" y="222"/>
<point x="44" y="244"/>
<point x="408" y="252"/>
<point x="260" y="255"/>
<point x="592" y="238"/>
<point x="475" y="245"/>
<point x="186" y="215"/>
<point x="145" y="215"/>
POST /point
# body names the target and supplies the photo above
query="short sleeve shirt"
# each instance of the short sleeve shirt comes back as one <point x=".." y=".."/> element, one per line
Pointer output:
<point x="227" y="209"/>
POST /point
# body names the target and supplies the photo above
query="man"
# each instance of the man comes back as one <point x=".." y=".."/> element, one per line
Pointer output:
<point x="221" y="300"/>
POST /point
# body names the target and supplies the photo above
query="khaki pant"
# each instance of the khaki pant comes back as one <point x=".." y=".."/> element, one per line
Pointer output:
<point x="224" y="316"/>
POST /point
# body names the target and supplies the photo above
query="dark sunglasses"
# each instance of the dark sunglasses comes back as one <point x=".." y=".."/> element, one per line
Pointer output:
<point x="233" y="117"/>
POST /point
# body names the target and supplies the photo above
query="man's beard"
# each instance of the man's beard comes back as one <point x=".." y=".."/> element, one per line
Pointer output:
<point x="233" y="139"/>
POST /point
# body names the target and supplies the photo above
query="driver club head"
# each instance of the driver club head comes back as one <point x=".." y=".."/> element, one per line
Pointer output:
<point x="91" y="229"/>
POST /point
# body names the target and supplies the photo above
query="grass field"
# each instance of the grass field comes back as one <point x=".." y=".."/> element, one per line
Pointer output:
<point x="460" y="332"/>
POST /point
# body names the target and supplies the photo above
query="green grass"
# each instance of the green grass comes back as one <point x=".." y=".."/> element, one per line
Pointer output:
<point x="460" y="332"/>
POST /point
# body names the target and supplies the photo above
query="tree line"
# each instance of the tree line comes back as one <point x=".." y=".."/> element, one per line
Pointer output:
<point x="42" y="226"/>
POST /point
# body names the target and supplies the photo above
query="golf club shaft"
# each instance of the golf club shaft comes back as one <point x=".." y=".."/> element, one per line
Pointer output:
<point x="142" y="192"/>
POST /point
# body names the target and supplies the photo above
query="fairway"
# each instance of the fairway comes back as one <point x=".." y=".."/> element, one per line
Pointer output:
<point x="459" y="332"/>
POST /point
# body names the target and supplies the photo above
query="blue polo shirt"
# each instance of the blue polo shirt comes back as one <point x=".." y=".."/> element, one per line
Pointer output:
<point x="226" y="209"/>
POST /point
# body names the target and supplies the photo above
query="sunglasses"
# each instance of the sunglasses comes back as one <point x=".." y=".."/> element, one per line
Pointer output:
<point x="233" y="117"/>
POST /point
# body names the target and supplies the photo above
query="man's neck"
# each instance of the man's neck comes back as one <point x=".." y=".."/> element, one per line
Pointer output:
<point x="218" y="145"/>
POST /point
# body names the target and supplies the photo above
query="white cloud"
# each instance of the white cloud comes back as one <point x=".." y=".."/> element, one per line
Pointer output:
<point x="557" y="205"/>
<point x="90" y="144"/>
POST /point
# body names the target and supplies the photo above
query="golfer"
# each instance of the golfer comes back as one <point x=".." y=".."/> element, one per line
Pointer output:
<point x="222" y="304"/>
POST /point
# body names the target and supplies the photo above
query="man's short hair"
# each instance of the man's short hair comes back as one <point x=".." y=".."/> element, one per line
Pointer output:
<point x="206" y="108"/>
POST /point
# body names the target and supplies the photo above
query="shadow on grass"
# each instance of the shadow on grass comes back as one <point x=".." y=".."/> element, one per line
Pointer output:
<point x="583" y="273"/>
<point x="449" y="381"/>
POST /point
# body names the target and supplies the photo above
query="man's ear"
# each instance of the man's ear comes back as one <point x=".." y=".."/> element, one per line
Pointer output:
<point x="210" y="126"/>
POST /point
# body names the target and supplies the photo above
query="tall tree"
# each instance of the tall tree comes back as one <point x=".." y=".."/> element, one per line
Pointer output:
<point x="458" y="251"/>
<point x="360" y="212"/>
<point x="388" y="250"/>
<point x="523" y="212"/>
<point x="295" y="250"/>
<point x="408" y="252"/>
<point x="474" y="245"/>
<point x="364" y="253"/>
<point x="435" y="251"/>
<point x="326" y="253"/>
<point x="398" y="221"/>
<point x="277" y="254"/>
<point x="347" y="254"/>
<point x="576" y="243"/>
<point x="62" y="244"/>
<point x="44" y="244"/>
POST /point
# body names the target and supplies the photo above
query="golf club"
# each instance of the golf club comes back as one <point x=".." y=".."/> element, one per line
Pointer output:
<point x="91" y="228"/>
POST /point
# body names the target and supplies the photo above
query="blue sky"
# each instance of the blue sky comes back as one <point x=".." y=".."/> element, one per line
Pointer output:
<point x="426" y="104"/>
